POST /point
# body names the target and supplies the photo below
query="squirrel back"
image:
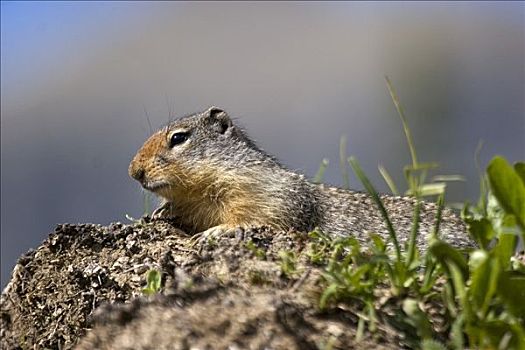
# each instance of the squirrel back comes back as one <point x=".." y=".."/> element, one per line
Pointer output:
<point x="210" y="173"/>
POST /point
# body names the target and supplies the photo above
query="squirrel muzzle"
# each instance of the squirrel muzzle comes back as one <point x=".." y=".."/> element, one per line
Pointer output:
<point x="136" y="171"/>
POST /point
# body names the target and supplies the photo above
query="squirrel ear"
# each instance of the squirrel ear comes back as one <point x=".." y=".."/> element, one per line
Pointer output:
<point x="219" y="118"/>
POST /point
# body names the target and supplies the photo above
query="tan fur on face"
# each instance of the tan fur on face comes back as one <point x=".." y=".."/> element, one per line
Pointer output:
<point x="206" y="196"/>
<point x="146" y="155"/>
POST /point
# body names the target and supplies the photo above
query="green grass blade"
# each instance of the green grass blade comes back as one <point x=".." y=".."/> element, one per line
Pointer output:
<point x="342" y="162"/>
<point x="322" y="169"/>
<point x="448" y="178"/>
<point x="401" y="113"/>
<point x="483" y="181"/>
<point x="519" y="167"/>
<point x="388" y="180"/>
<point x="413" y="234"/>
<point x="440" y="204"/>
<point x="359" y="334"/>
<point x="431" y="344"/>
<point x="154" y="282"/>
<point x="507" y="187"/>
<point x="146" y="200"/>
<point x="448" y="256"/>
<point x="375" y="196"/>
<point x="421" y="166"/>
<point x="427" y="190"/>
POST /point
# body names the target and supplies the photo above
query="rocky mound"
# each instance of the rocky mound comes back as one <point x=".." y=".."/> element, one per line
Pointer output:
<point x="83" y="288"/>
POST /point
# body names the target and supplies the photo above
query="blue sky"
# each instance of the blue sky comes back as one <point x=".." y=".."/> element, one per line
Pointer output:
<point x="41" y="37"/>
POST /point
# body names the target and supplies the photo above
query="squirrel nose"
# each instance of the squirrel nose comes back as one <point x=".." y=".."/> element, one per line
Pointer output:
<point x="137" y="173"/>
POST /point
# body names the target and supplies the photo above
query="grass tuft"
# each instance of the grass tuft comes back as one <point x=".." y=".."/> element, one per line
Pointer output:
<point x="479" y="294"/>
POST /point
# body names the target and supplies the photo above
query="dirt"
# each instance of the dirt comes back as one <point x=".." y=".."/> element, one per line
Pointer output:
<point x="82" y="288"/>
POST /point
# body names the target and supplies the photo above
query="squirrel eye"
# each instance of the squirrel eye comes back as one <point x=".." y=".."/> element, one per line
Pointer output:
<point x="178" y="138"/>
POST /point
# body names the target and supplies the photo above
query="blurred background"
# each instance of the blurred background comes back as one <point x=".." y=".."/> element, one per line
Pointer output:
<point x="78" y="78"/>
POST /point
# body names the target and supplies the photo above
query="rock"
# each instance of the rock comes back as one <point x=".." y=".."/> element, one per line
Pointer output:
<point x="82" y="288"/>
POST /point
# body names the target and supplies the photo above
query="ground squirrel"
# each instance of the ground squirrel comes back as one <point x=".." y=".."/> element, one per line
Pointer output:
<point x="212" y="177"/>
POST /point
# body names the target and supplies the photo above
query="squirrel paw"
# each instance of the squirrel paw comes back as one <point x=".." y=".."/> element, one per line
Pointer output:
<point x="213" y="233"/>
<point x="164" y="211"/>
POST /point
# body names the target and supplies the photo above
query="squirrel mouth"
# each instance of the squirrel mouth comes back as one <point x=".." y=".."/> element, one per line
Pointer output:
<point x="155" y="186"/>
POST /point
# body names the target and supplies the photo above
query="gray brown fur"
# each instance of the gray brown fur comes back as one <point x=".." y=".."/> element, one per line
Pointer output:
<point x="219" y="177"/>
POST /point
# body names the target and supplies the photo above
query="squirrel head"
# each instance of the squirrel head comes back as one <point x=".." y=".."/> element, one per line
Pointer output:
<point x="186" y="155"/>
